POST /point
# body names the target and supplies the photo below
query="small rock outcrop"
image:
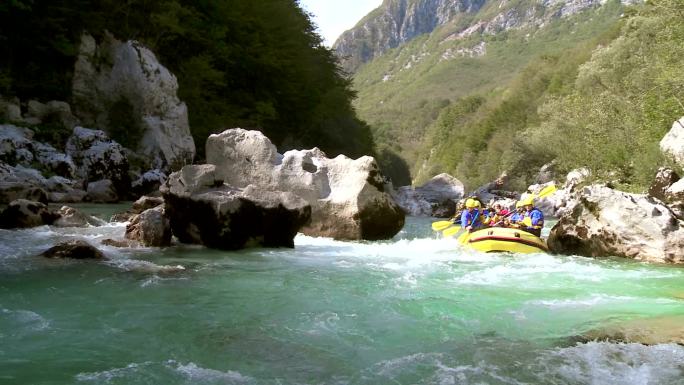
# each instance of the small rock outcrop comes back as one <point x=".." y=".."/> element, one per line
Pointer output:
<point x="98" y="158"/>
<point x="74" y="249"/>
<point x="143" y="203"/>
<point x="17" y="147"/>
<point x="672" y="143"/>
<point x="674" y="196"/>
<point x="121" y="86"/>
<point x="436" y="198"/>
<point x="203" y="209"/>
<point x="150" y="228"/>
<point x="665" y="177"/>
<point x="71" y="217"/>
<point x="21" y="183"/>
<point x="102" y="191"/>
<point x="347" y="197"/>
<point x="149" y="182"/>
<point x="23" y="213"/>
<point x="606" y="222"/>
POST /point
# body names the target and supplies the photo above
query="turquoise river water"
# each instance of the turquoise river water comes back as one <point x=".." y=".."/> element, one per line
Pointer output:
<point x="413" y="310"/>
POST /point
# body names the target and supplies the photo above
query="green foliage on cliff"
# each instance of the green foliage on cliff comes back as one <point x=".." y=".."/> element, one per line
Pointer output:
<point x="403" y="92"/>
<point x="604" y="104"/>
<point x="624" y="101"/>
<point x="239" y="63"/>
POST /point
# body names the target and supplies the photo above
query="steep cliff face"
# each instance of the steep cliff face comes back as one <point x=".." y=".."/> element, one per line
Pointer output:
<point x="398" y="21"/>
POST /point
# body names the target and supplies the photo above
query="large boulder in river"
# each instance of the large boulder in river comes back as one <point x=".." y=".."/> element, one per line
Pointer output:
<point x="203" y="209"/>
<point x="122" y="88"/>
<point x="23" y="213"/>
<point x="606" y="222"/>
<point x="347" y="197"/>
<point x="672" y="143"/>
<point x="437" y="197"/>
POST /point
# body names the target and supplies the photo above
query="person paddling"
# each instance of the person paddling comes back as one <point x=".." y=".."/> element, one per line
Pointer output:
<point x="471" y="219"/>
<point x="533" y="221"/>
<point x="514" y="219"/>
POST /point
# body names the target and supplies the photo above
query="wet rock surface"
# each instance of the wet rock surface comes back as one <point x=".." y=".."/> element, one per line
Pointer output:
<point x="74" y="249"/>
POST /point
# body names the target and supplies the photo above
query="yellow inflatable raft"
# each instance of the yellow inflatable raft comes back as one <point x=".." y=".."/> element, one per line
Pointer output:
<point x="501" y="239"/>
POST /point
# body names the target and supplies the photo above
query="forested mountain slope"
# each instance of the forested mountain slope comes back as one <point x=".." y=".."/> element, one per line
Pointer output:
<point x="253" y="64"/>
<point x="479" y="50"/>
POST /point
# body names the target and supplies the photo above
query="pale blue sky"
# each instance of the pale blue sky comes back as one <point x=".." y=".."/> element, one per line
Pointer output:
<point x="336" y="16"/>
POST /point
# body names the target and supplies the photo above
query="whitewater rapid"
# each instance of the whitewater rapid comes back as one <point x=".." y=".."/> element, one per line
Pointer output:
<point x="413" y="310"/>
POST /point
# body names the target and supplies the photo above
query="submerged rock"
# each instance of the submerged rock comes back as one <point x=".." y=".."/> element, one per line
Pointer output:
<point x="204" y="210"/>
<point x="647" y="331"/>
<point x="347" y="197"/>
<point x="75" y="249"/>
<point x="122" y="243"/>
<point x="23" y="213"/>
<point x="606" y="222"/>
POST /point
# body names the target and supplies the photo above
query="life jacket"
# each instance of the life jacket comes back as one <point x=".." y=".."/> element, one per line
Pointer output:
<point x="472" y="219"/>
<point x="534" y="221"/>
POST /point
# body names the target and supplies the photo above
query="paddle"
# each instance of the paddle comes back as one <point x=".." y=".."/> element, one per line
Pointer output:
<point x="548" y="190"/>
<point x="451" y="231"/>
<point x="441" y="225"/>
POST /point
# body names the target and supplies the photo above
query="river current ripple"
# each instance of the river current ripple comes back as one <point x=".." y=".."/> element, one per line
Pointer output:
<point x="413" y="310"/>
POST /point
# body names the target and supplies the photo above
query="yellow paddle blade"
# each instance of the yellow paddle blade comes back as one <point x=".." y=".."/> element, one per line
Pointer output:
<point x="441" y="225"/>
<point x="527" y="221"/>
<point x="451" y="231"/>
<point x="548" y="190"/>
<point x="463" y="238"/>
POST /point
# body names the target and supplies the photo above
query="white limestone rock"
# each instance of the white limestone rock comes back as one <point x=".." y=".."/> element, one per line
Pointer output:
<point x="672" y="143"/>
<point x="347" y="196"/>
<point x="607" y="222"/>
<point x="127" y="72"/>
<point x="437" y="197"/>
